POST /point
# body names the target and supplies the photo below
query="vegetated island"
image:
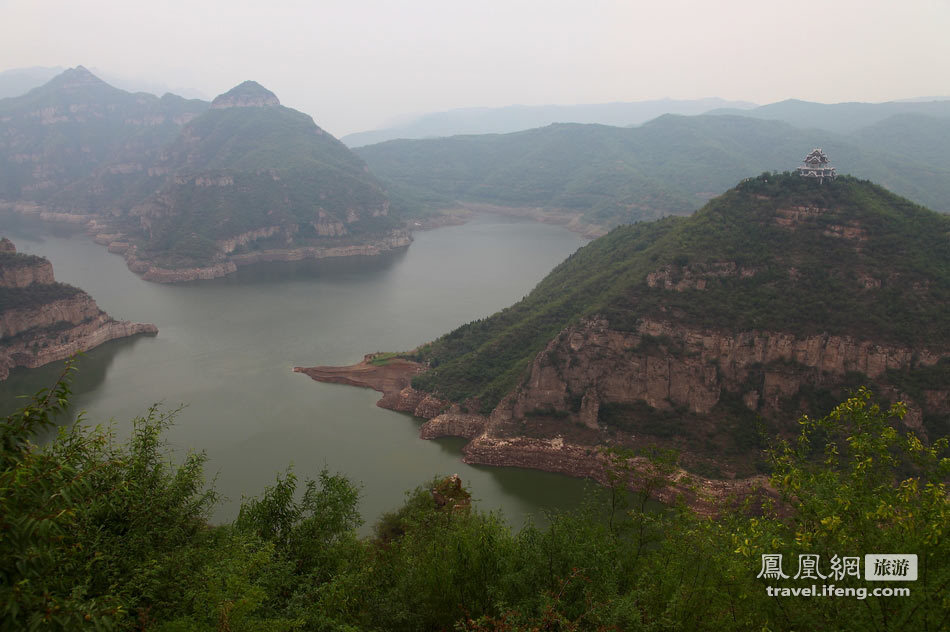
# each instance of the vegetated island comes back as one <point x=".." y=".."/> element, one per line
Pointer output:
<point x="42" y="321"/>
<point x="704" y="335"/>
<point x="184" y="189"/>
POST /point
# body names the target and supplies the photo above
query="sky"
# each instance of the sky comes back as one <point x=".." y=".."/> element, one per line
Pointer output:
<point x="355" y="65"/>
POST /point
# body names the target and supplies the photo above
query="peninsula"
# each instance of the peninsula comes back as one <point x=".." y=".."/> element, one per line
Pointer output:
<point x="42" y="321"/>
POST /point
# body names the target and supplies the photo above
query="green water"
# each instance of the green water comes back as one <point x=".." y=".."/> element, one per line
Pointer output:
<point x="226" y="347"/>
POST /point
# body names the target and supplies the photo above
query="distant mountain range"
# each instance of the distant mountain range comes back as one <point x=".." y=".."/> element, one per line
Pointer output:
<point x="596" y="177"/>
<point x="187" y="189"/>
<point x="18" y="81"/>
<point x="842" y="118"/>
<point x="836" y="117"/>
<point x="515" y="118"/>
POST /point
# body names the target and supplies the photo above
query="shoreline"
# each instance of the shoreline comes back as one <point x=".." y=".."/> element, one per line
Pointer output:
<point x="116" y="242"/>
<point x="486" y="446"/>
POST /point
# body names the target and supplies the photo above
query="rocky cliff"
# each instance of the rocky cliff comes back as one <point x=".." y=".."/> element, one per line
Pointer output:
<point x="42" y="321"/>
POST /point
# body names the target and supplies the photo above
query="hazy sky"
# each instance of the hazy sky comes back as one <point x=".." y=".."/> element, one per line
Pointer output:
<point x="356" y="64"/>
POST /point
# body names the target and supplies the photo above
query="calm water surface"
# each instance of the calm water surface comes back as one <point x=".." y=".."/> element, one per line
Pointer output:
<point x="226" y="347"/>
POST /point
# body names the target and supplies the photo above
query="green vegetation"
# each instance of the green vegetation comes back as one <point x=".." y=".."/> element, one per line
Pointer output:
<point x="14" y="260"/>
<point x="269" y="167"/>
<point x="382" y="359"/>
<point x="803" y="279"/>
<point x="35" y="295"/>
<point x="102" y="535"/>
<point x="671" y="165"/>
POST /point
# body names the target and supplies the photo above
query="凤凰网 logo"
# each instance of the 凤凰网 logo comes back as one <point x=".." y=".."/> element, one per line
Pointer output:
<point x="877" y="567"/>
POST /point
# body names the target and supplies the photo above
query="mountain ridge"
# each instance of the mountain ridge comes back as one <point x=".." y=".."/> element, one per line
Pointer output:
<point x="599" y="176"/>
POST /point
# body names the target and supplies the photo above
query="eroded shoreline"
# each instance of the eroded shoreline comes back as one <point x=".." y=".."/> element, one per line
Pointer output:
<point x="489" y="444"/>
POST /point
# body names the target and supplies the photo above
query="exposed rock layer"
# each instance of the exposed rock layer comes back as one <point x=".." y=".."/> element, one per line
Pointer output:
<point x="32" y="334"/>
<point x="590" y="365"/>
<point x="490" y="442"/>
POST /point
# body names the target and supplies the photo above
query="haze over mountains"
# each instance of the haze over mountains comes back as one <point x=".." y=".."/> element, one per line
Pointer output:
<point x="187" y="189"/>
<point x="18" y="81"/>
<point x="595" y="177"/>
<point x="183" y="188"/>
<point x="516" y="118"/>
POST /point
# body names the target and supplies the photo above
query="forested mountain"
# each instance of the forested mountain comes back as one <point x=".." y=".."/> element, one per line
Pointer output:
<point x="604" y="176"/>
<point x="184" y="188"/>
<point x="770" y="301"/>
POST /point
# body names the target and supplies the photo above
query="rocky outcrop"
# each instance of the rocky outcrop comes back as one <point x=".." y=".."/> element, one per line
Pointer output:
<point x="492" y="442"/>
<point x="670" y="365"/>
<point x="396" y="239"/>
<point x="22" y="271"/>
<point x="44" y="321"/>
<point x="695" y="277"/>
<point x="75" y="309"/>
<point x="249" y="94"/>
<point x="46" y="346"/>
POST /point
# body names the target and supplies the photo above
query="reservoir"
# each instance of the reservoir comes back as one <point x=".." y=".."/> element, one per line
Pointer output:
<point x="226" y="349"/>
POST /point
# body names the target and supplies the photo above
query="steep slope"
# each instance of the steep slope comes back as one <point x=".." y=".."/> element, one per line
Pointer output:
<point x="42" y="321"/>
<point x="601" y="176"/>
<point x="692" y="332"/>
<point x="251" y="175"/>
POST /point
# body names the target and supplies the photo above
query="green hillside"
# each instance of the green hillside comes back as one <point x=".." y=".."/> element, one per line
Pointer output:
<point x="815" y="276"/>
<point x="273" y="168"/>
<point x="671" y="165"/>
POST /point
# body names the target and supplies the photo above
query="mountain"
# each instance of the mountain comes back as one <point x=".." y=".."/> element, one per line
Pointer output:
<point x="841" y="118"/>
<point x="251" y="175"/>
<point x="78" y="145"/>
<point x="42" y="321"/>
<point x="185" y="189"/>
<point x="516" y="118"/>
<point x="595" y="177"/>
<point x="771" y="301"/>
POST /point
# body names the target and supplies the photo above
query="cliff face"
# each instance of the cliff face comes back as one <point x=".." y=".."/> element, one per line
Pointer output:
<point x="695" y="389"/>
<point x="42" y="321"/>
<point x="668" y="365"/>
<point x="497" y="439"/>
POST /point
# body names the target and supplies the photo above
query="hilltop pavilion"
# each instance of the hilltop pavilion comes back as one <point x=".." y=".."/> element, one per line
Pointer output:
<point x="817" y="165"/>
